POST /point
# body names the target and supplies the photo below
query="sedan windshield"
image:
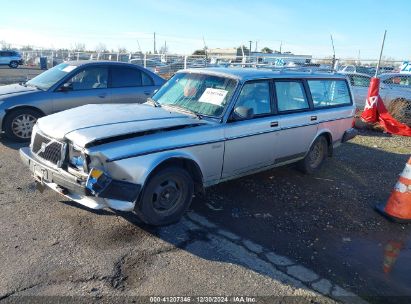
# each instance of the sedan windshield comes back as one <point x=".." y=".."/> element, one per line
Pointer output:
<point x="47" y="79"/>
<point x="198" y="93"/>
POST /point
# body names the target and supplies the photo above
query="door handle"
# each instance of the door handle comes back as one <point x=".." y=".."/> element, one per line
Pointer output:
<point x="147" y="92"/>
<point x="274" y="124"/>
<point x="103" y="95"/>
<point x="313" y="118"/>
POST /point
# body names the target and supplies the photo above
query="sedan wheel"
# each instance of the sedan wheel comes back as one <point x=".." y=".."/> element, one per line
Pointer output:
<point x="19" y="124"/>
<point x="13" y="64"/>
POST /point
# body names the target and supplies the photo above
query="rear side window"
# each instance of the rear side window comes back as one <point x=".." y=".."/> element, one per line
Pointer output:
<point x="125" y="77"/>
<point x="291" y="96"/>
<point x="329" y="92"/>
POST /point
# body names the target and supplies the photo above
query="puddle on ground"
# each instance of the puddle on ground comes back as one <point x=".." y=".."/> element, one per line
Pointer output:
<point x="380" y="263"/>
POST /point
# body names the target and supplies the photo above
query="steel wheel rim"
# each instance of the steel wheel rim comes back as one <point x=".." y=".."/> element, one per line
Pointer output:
<point x="316" y="155"/>
<point x="167" y="195"/>
<point x="22" y="125"/>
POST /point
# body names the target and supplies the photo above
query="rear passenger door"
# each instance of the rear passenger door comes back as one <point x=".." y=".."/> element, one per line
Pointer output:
<point x="250" y="143"/>
<point x="130" y="85"/>
<point x="298" y="126"/>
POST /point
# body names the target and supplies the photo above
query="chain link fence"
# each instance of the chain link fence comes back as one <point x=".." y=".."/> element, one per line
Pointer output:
<point x="395" y="75"/>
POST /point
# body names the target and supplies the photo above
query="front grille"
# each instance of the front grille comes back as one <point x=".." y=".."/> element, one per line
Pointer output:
<point x="48" y="149"/>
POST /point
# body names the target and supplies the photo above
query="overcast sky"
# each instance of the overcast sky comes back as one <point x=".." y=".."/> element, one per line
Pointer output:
<point x="304" y="27"/>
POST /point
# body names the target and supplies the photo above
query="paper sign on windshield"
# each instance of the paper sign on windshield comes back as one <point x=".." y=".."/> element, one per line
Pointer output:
<point x="213" y="96"/>
<point x="69" y="68"/>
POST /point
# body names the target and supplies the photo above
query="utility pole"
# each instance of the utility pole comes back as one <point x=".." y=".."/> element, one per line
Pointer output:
<point x="249" y="54"/>
<point x="281" y="45"/>
<point x="333" y="62"/>
<point x="256" y="49"/>
<point x="155" y="43"/>
<point x="139" y="48"/>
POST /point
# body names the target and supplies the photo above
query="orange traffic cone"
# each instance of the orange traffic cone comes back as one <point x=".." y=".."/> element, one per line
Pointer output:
<point x="398" y="207"/>
<point x="391" y="252"/>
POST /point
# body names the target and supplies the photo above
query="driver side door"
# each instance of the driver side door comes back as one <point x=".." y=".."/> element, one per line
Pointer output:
<point x="250" y="141"/>
<point x="88" y="86"/>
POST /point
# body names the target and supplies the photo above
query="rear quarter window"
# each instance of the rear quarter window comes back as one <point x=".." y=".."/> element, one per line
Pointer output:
<point x="329" y="92"/>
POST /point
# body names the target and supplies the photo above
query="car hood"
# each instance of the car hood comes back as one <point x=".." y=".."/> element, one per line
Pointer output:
<point x="92" y="124"/>
<point x="12" y="90"/>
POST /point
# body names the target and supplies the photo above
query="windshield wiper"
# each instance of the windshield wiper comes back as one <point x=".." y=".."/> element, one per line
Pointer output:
<point x="198" y="115"/>
<point x="154" y="102"/>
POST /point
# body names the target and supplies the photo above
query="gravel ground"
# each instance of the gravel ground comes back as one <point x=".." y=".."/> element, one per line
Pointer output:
<point x="22" y="73"/>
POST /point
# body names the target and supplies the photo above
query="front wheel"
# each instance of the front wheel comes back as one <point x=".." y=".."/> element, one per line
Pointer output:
<point x="315" y="156"/>
<point x="14" y="64"/>
<point x="166" y="197"/>
<point x="18" y="124"/>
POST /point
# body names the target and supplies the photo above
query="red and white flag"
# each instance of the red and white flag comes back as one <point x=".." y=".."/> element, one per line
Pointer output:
<point x="375" y="111"/>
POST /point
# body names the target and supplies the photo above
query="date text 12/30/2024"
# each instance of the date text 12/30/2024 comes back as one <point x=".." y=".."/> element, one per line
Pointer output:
<point x="206" y="299"/>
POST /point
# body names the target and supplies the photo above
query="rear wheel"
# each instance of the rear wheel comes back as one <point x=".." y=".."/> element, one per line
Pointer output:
<point x="166" y="197"/>
<point x="315" y="156"/>
<point x="18" y="124"/>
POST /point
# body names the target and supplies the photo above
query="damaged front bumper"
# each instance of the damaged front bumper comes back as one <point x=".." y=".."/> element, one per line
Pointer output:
<point x="119" y="195"/>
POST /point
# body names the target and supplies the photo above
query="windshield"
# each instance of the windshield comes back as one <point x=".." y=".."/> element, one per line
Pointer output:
<point x="50" y="77"/>
<point x="202" y="94"/>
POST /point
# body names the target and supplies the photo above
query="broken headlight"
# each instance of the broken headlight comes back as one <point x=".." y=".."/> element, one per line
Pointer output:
<point x="77" y="158"/>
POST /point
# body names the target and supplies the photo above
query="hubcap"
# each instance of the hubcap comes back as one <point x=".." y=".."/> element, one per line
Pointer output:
<point x="166" y="195"/>
<point x="22" y="125"/>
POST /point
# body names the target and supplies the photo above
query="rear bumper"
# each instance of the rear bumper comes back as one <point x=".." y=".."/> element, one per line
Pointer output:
<point x="349" y="134"/>
<point x="119" y="195"/>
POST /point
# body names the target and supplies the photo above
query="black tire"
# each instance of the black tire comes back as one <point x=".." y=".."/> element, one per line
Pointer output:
<point x="14" y="64"/>
<point x="19" y="123"/>
<point x="315" y="157"/>
<point x="166" y="197"/>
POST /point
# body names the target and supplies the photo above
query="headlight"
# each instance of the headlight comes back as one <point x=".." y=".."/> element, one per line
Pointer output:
<point x="77" y="158"/>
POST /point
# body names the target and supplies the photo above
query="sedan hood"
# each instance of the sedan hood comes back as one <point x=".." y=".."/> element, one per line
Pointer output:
<point x="97" y="123"/>
<point x="14" y="90"/>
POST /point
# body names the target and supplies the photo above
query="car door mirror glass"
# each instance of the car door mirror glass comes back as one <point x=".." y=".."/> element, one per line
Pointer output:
<point x="242" y="113"/>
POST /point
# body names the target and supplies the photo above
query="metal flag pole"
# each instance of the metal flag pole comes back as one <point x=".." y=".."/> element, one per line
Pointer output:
<point x="379" y="60"/>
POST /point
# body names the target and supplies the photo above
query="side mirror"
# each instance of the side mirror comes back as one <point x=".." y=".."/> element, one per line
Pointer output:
<point x="242" y="113"/>
<point x="66" y="87"/>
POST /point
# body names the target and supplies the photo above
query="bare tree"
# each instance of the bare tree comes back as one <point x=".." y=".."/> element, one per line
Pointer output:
<point x="27" y="48"/>
<point x="101" y="48"/>
<point x="163" y="49"/>
<point x="5" y="45"/>
<point x="122" y="50"/>
<point x="79" y="47"/>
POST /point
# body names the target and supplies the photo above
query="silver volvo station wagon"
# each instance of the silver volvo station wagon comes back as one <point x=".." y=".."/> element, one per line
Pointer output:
<point x="203" y="127"/>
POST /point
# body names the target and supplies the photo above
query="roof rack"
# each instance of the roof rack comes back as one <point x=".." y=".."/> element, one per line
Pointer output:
<point x="303" y="69"/>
